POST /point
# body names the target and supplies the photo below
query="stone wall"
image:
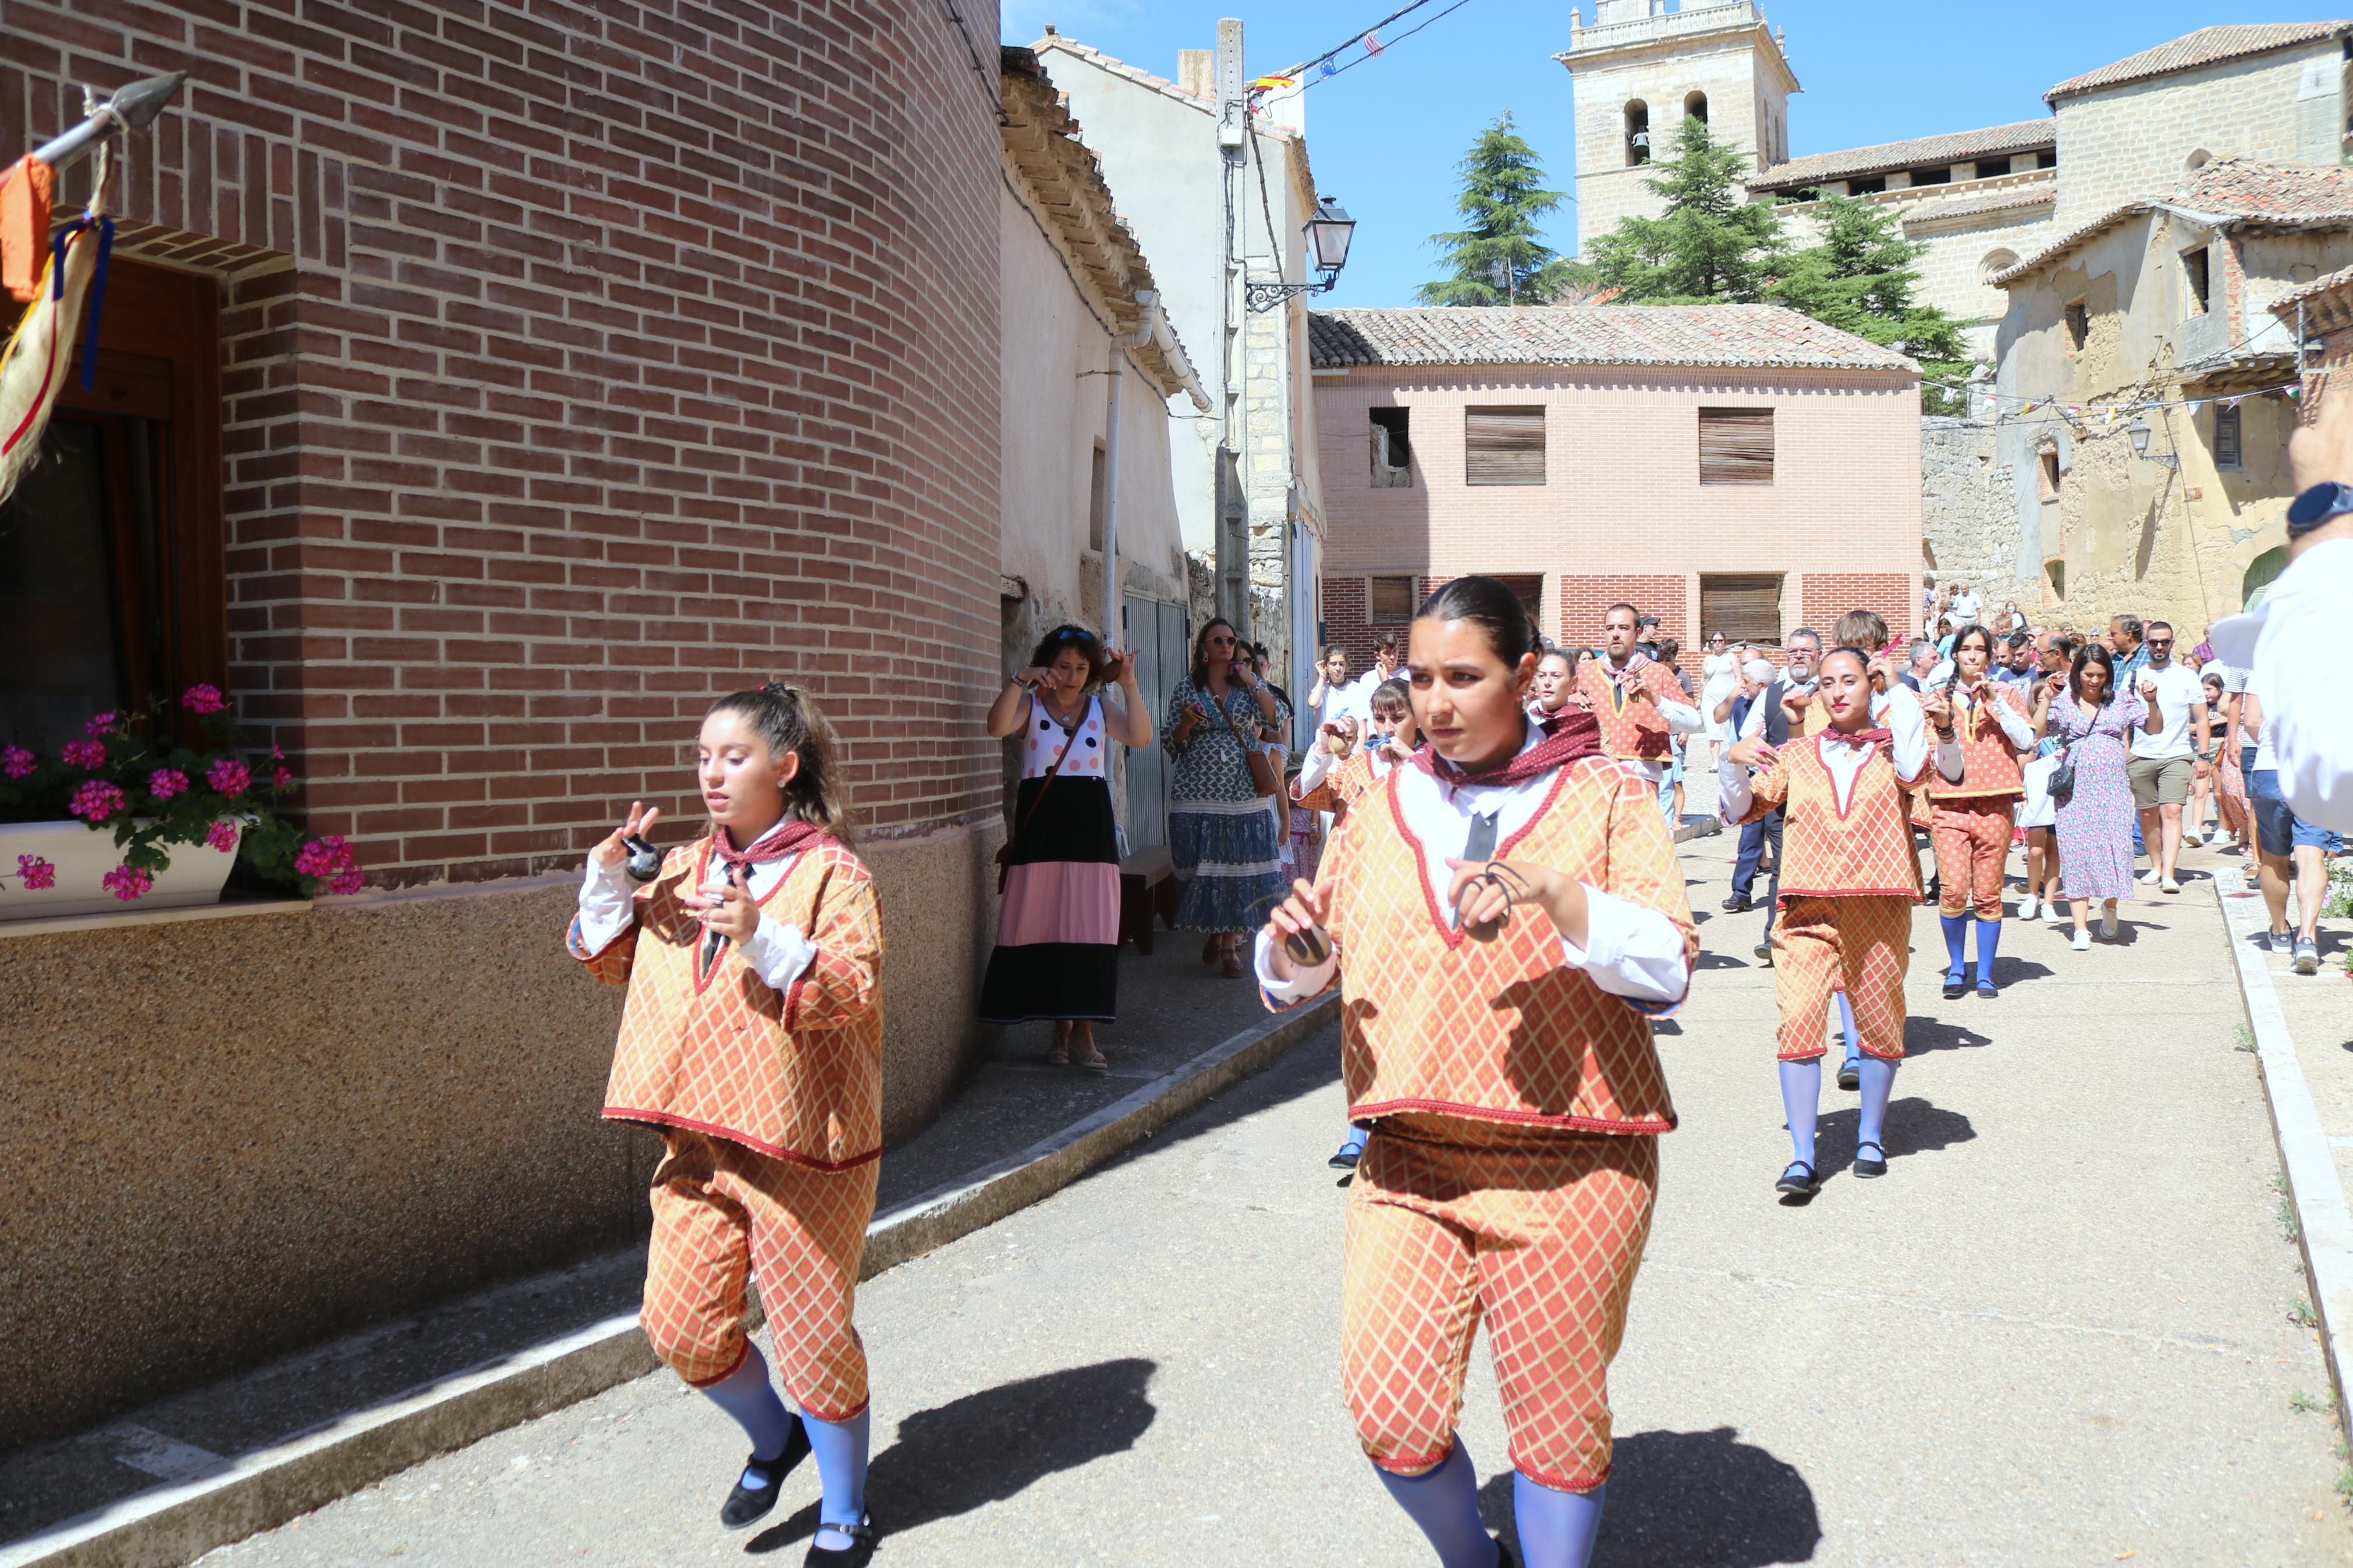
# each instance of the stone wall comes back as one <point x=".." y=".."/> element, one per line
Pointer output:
<point x="1969" y="513"/>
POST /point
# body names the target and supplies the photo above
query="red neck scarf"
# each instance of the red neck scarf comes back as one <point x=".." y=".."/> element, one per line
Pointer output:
<point x="1866" y="739"/>
<point x="786" y="838"/>
<point x="1571" y="735"/>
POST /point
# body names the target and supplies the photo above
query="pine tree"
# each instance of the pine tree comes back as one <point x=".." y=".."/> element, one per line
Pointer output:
<point x="1499" y="259"/>
<point x="1711" y="244"/>
<point x="1860" y="279"/>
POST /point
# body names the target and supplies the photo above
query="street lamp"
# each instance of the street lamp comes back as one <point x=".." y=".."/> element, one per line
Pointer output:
<point x="2138" y="431"/>
<point x="1329" y="233"/>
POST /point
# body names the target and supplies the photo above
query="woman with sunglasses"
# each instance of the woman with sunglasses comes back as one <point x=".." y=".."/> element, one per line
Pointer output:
<point x="1221" y="831"/>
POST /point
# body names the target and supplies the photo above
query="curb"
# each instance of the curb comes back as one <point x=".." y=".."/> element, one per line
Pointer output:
<point x="172" y="1525"/>
<point x="2323" y="1225"/>
<point x="1706" y="827"/>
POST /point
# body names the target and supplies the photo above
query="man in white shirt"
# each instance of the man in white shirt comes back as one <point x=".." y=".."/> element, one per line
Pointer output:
<point x="2170" y="748"/>
<point x="1966" y="605"/>
<point x="2293" y="644"/>
<point x="1354" y="700"/>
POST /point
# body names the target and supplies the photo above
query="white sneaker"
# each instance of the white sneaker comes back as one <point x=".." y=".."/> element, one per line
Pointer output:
<point x="2082" y="943"/>
<point x="2194" y="838"/>
<point x="2026" y="910"/>
<point x="2168" y="886"/>
<point x="2107" y="925"/>
<point x="2150" y="878"/>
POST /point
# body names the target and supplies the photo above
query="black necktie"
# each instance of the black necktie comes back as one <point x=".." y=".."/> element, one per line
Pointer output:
<point x="1481" y="846"/>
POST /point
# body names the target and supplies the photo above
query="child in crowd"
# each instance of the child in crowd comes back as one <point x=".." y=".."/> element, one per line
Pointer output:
<point x="751" y="1042"/>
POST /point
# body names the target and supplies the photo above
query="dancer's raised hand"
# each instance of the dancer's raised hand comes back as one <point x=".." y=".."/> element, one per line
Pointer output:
<point x="614" y="849"/>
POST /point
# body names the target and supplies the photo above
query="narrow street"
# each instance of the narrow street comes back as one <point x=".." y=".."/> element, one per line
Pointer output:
<point x="2062" y="1329"/>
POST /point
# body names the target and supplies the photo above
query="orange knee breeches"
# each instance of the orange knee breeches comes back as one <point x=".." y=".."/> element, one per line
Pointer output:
<point x="1860" y="946"/>
<point x="1972" y="840"/>
<point x="1540" y="1234"/>
<point x="723" y="1212"/>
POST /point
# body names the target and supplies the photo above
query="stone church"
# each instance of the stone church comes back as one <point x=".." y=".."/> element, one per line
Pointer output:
<point x="2114" y="264"/>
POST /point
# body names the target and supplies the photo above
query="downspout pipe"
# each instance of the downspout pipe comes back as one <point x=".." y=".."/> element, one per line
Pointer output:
<point x="1148" y="301"/>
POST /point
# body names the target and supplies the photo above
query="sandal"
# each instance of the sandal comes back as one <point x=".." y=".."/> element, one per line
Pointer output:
<point x="1863" y="1167"/>
<point x="1059" y="1055"/>
<point x="1094" y="1061"/>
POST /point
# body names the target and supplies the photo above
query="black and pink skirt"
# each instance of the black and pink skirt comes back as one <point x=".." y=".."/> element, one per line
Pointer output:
<point x="1057" y="951"/>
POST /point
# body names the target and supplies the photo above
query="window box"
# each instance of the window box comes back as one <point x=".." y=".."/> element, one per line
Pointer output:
<point x="80" y="858"/>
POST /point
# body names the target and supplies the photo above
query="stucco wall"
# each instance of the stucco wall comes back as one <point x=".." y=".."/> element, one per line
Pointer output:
<point x="224" y="1139"/>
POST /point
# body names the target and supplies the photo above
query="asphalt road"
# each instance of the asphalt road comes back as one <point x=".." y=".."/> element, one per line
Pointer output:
<point x="2061" y="1330"/>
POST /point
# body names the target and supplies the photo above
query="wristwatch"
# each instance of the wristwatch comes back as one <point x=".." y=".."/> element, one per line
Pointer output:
<point x="2317" y="506"/>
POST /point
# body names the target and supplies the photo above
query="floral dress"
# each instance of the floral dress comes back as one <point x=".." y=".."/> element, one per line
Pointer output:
<point x="1222" y="833"/>
<point x="2096" y="818"/>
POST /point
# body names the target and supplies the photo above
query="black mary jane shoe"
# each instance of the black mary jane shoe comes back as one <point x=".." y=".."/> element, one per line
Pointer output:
<point x="1849" y="1075"/>
<point x="747" y="1505"/>
<point x="1863" y="1167"/>
<point x="863" y="1538"/>
<point x="1954" y="986"/>
<point x="1798" y="1180"/>
<point x="1988" y="990"/>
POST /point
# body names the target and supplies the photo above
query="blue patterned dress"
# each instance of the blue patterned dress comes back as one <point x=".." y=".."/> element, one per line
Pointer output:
<point x="2095" y="819"/>
<point x="1221" y="833"/>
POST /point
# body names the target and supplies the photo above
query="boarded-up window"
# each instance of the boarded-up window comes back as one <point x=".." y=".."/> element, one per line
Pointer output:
<point x="2079" y="325"/>
<point x="1736" y="446"/>
<point x="1745" y="609"/>
<point x="2226" y="438"/>
<point x="2046" y="470"/>
<point x="1503" y="445"/>
<point x="1392" y="438"/>
<point x="1392" y="600"/>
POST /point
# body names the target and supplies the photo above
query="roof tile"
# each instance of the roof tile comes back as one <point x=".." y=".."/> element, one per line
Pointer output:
<point x="1954" y="146"/>
<point x="2206" y="47"/>
<point x="1741" y="336"/>
<point x="2237" y="191"/>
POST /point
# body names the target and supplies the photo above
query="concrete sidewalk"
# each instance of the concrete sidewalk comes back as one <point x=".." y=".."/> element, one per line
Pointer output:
<point x="2061" y="1330"/>
<point x="213" y="1463"/>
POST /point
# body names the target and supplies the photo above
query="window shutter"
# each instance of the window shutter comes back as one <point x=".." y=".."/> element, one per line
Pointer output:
<point x="1736" y="446"/>
<point x="1745" y="609"/>
<point x="1503" y="445"/>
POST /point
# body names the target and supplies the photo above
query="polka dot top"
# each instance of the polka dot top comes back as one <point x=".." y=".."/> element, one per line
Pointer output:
<point x="1045" y="744"/>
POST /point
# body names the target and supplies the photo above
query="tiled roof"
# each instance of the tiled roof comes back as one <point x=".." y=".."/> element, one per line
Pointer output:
<point x="1954" y="147"/>
<point x="1758" y="336"/>
<point x="2016" y="197"/>
<point x="2237" y="191"/>
<point x="2240" y="366"/>
<point x="2206" y="47"/>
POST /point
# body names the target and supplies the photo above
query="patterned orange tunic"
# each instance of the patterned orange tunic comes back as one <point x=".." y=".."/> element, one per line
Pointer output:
<point x="1827" y="852"/>
<point x="1633" y="730"/>
<point x="1501" y="1031"/>
<point x="1990" y="769"/>
<point x="796" y="1076"/>
<point x="1350" y="780"/>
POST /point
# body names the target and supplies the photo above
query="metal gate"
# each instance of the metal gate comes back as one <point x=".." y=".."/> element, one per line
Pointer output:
<point x="1158" y="633"/>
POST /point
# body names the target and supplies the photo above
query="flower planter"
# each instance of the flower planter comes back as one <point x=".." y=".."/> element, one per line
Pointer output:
<point x="82" y="857"/>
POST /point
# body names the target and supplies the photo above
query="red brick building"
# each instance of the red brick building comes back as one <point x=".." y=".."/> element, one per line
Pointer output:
<point x="495" y="384"/>
<point x="1734" y="466"/>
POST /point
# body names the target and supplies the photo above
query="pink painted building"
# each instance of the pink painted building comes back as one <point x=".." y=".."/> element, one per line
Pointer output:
<point x="1739" y="467"/>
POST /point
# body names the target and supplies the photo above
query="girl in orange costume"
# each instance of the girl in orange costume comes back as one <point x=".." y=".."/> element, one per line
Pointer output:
<point x="1503" y="1057"/>
<point x="752" y="1041"/>
<point x="1970" y="821"/>
<point x="1848" y="884"/>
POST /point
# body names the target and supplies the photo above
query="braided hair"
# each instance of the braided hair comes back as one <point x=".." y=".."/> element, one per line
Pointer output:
<point x="788" y="720"/>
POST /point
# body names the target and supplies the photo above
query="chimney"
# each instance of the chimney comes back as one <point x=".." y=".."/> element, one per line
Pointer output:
<point x="1196" y="72"/>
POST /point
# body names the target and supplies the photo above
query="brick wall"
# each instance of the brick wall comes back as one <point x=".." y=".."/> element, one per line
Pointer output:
<point x="1585" y="599"/>
<point x="1894" y="598"/>
<point x="582" y="362"/>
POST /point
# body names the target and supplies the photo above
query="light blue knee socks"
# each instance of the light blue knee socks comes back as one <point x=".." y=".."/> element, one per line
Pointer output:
<point x="1989" y="941"/>
<point x="1801" y="1098"/>
<point x="1556" y="1529"/>
<point x="841" y="1449"/>
<point x="1956" y="942"/>
<point x="1846" y="1025"/>
<point x="1878" y="1076"/>
<point x="746" y="1395"/>
<point x="1445" y="1503"/>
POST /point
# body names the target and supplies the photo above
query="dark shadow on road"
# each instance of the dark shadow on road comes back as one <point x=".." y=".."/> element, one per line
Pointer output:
<point x="2010" y="971"/>
<point x="988" y="1446"/>
<point x="1721" y="960"/>
<point x="1912" y="1127"/>
<point x="1922" y="1035"/>
<point x="1692" y="1499"/>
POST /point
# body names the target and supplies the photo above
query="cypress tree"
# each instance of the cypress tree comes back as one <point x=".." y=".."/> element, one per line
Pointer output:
<point x="1498" y="260"/>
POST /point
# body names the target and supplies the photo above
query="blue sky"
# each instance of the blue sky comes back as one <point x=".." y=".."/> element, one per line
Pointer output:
<point x="1384" y="137"/>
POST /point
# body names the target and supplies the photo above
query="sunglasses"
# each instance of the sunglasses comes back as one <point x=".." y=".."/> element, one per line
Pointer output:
<point x="2161" y="642"/>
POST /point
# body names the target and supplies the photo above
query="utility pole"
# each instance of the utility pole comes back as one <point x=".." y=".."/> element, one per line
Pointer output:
<point x="1232" y="504"/>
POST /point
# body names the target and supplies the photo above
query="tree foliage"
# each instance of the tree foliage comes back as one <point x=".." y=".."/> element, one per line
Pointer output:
<point x="1500" y="259"/>
<point x="1710" y="244"/>
<point x="1860" y="279"/>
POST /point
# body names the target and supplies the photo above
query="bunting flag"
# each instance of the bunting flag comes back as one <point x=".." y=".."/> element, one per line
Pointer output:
<point x="1373" y="44"/>
<point x="1330" y="68"/>
<point x="2195" y="405"/>
<point x="1273" y="83"/>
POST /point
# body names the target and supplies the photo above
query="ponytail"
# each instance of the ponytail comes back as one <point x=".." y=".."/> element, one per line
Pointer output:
<point x="788" y="720"/>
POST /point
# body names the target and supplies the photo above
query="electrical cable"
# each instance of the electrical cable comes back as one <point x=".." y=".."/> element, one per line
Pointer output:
<point x="1356" y="38"/>
<point x="1393" y="43"/>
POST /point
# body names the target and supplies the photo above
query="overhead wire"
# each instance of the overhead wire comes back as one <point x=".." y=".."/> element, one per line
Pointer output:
<point x="1401" y="38"/>
<point x="1361" y="35"/>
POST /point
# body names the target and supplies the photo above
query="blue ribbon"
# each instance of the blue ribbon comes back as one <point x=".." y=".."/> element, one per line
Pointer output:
<point x="105" y="226"/>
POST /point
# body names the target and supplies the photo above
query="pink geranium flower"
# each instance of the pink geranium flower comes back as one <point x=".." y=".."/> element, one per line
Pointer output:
<point x="230" y="776"/>
<point x="283" y="779"/>
<point x="202" y="700"/>
<point x="165" y="783"/>
<point x="95" y="801"/>
<point x="35" y="873"/>
<point x="102" y="723"/>
<point x="16" y="761"/>
<point x="127" y="882"/>
<point x="333" y="861"/>
<point x="84" y="753"/>
<point x="222" y="836"/>
<point x="350" y="881"/>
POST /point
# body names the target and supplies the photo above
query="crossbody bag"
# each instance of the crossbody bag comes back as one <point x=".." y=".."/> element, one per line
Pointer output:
<point x="1005" y="850"/>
